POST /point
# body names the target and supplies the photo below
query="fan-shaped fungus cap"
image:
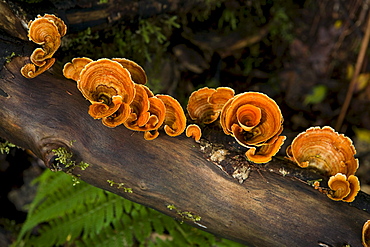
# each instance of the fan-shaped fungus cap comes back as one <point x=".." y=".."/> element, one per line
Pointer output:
<point x="354" y="185"/>
<point x="101" y="80"/>
<point x="157" y="111"/>
<point x="342" y="188"/>
<point x="175" y="120"/>
<point x="252" y="118"/>
<point x="366" y="234"/>
<point x="73" y="69"/>
<point x="140" y="107"/>
<point x="62" y="28"/>
<point x="325" y="150"/>
<point x="219" y="98"/>
<point x="138" y="74"/>
<point x="205" y="104"/>
<point x="194" y="131"/>
<point x="339" y="186"/>
<point x="46" y="31"/>
<point x="157" y="114"/>
<point x="264" y="153"/>
<point x="31" y="71"/>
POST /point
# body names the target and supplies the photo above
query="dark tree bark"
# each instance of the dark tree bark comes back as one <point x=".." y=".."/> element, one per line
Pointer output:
<point x="272" y="207"/>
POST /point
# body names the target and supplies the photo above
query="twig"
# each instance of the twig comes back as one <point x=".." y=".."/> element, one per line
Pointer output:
<point x="360" y="59"/>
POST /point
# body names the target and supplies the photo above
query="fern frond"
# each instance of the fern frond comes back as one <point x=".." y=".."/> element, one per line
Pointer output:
<point x="83" y="215"/>
<point x="55" y="207"/>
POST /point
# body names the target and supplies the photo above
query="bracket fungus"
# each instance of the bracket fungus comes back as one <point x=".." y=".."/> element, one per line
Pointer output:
<point x="333" y="155"/>
<point x="205" y="104"/>
<point x="255" y="121"/>
<point x="194" y="131"/>
<point x="263" y="153"/>
<point x="148" y="115"/>
<point x="138" y="74"/>
<point x="343" y="188"/>
<point x="115" y="88"/>
<point x="107" y="85"/>
<point x="324" y="149"/>
<point x="175" y="119"/>
<point x="366" y="234"/>
<point x="47" y="31"/>
<point x="73" y="69"/>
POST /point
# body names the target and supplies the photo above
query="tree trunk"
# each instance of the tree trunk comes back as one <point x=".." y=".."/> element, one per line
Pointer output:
<point x="272" y="207"/>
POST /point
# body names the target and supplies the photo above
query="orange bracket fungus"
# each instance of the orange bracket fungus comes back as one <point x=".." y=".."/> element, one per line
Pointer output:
<point x="138" y="74"/>
<point x="333" y="155"/>
<point x="255" y="121"/>
<point x="115" y="88"/>
<point x="73" y="69"/>
<point x="175" y="120"/>
<point x="147" y="113"/>
<point x="366" y="234"/>
<point x="47" y="31"/>
<point x="324" y="149"/>
<point x="194" y="131"/>
<point x="205" y="104"/>
<point x="343" y="188"/>
<point x="107" y="85"/>
<point x="103" y="81"/>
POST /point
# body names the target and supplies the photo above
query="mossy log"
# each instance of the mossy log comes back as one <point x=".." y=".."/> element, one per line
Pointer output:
<point x="272" y="207"/>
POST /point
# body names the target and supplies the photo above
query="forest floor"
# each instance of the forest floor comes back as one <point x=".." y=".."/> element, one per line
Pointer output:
<point x="301" y="55"/>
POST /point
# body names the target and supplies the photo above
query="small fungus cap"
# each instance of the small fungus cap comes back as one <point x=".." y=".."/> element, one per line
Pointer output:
<point x="324" y="149"/>
<point x="31" y="71"/>
<point x="343" y="188"/>
<point x="175" y="119"/>
<point x="354" y="185"/>
<point x="118" y="117"/>
<point x="340" y="187"/>
<point x="194" y="131"/>
<point x="62" y="28"/>
<point x="73" y="69"/>
<point x="99" y="109"/>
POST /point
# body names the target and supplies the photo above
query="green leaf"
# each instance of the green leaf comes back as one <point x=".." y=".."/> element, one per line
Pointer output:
<point x="362" y="134"/>
<point x="318" y="95"/>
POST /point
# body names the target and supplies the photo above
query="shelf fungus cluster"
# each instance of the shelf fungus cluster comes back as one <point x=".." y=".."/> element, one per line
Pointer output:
<point x="118" y="95"/>
<point x="333" y="155"/>
<point x="46" y="31"/>
<point x="252" y="118"/>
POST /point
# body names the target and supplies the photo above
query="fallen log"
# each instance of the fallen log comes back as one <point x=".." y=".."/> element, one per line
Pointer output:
<point x="270" y="208"/>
